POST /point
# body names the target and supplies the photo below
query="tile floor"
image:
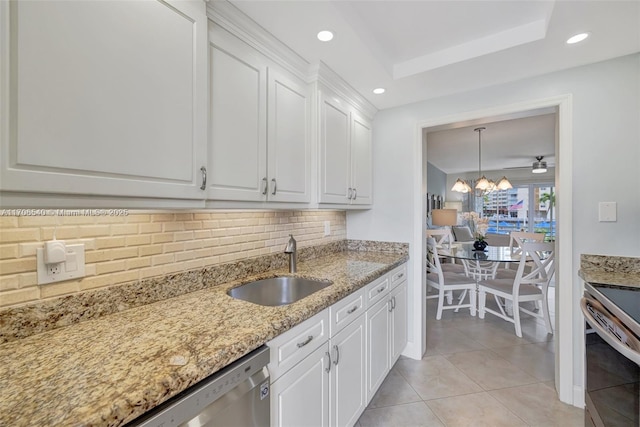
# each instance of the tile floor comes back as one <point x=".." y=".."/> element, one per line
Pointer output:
<point x="474" y="373"/>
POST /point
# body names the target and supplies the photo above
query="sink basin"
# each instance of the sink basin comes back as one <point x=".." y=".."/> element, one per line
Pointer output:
<point x="277" y="290"/>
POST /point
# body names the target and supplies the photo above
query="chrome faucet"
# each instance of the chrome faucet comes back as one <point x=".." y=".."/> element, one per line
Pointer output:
<point x="292" y="250"/>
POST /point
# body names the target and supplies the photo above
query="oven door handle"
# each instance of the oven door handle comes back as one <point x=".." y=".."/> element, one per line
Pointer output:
<point x="627" y="352"/>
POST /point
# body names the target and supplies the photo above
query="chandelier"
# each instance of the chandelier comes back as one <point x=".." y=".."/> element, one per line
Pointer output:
<point x="483" y="185"/>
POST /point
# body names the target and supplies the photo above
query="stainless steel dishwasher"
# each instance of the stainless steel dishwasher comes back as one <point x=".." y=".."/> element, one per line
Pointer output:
<point x="236" y="396"/>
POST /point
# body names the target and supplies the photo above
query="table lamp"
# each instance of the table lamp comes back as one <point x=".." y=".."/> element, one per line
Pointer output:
<point x="445" y="217"/>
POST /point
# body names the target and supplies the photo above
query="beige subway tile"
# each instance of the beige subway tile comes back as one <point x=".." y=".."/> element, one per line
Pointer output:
<point x="200" y="216"/>
<point x="211" y="224"/>
<point x="203" y="253"/>
<point x="10" y="251"/>
<point x="61" y="233"/>
<point x="138" y="218"/>
<point x="138" y="263"/>
<point x="80" y="220"/>
<point x="193" y="225"/>
<point x="162" y="259"/>
<point x="193" y="244"/>
<point x="19" y="235"/>
<point x="173" y="226"/>
<point x="59" y="288"/>
<point x="151" y="272"/>
<point x="120" y="253"/>
<point x="138" y="240"/>
<point x="152" y="227"/>
<point x="209" y="261"/>
<point x="37" y="221"/>
<point x="19" y="296"/>
<point x="183" y="235"/>
<point x="17" y="265"/>
<point x="173" y="268"/>
<point x="93" y="230"/>
<point x="162" y="237"/>
<point x="109" y="242"/>
<point x="91" y="257"/>
<point x="173" y="247"/>
<point x="119" y="229"/>
<point x="193" y="264"/>
<point x="207" y="243"/>
<point x="201" y="234"/>
<point x="28" y="279"/>
<point x="110" y="267"/>
<point x="184" y="216"/>
<point x="149" y="250"/>
<point x="162" y="217"/>
<point x="90" y="270"/>
<point x="9" y="282"/>
<point x="106" y="280"/>
<point x="8" y="221"/>
<point x="184" y="256"/>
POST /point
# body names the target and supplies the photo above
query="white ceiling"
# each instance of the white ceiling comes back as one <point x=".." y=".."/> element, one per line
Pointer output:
<point x="424" y="49"/>
<point x="512" y="143"/>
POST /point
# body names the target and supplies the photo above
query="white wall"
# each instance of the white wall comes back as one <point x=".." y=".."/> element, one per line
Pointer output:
<point x="606" y="153"/>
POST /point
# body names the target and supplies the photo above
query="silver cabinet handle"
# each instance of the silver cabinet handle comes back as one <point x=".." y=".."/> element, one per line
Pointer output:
<point x="381" y="289"/>
<point x="355" y="307"/>
<point x="204" y="178"/>
<point x="265" y="185"/>
<point x="305" y="342"/>
<point x="400" y="276"/>
<point x="390" y="304"/>
<point x="328" y="368"/>
<point x="274" y="186"/>
<point x="349" y="193"/>
<point x="355" y="193"/>
<point x="335" y="362"/>
<point x="393" y="302"/>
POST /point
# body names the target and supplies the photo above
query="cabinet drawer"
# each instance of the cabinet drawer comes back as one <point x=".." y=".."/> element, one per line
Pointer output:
<point x="294" y="345"/>
<point x="397" y="275"/>
<point x="376" y="290"/>
<point x="346" y="311"/>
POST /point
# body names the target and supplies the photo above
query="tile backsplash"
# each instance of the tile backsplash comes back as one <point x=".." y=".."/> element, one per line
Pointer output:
<point x="142" y="244"/>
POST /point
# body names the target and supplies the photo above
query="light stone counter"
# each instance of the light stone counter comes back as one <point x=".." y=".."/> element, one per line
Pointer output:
<point x="111" y="369"/>
<point x="610" y="270"/>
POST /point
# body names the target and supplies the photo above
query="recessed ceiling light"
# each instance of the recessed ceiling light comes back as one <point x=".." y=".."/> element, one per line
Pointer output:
<point x="577" y="38"/>
<point x="378" y="91"/>
<point x="325" y="35"/>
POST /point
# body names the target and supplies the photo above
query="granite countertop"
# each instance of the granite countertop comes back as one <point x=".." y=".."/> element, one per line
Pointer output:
<point x="610" y="270"/>
<point x="112" y="369"/>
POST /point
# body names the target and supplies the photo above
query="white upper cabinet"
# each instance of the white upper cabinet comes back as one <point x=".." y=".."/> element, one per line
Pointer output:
<point x="335" y="151"/>
<point x="345" y="154"/>
<point x="361" y="161"/>
<point x="102" y="105"/>
<point x="259" y="126"/>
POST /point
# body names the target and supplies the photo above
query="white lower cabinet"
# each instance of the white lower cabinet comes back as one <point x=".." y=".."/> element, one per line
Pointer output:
<point x="326" y="370"/>
<point x="300" y="397"/>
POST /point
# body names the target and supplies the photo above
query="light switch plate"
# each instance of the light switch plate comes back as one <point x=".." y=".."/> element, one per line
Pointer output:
<point x="327" y="228"/>
<point x="71" y="268"/>
<point x="607" y="212"/>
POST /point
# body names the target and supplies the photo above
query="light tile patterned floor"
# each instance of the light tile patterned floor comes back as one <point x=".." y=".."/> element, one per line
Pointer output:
<point x="474" y="373"/>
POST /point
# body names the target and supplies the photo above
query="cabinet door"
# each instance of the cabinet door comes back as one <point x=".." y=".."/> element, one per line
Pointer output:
<point x="398" y="317"/>
<point x="102" y="105"/>
<point x="361" y="166"/>
<point x="334" y="151"/>
<point x="238" y="111"/>
<point x="300" y="397"/>
<point x="377" y="318"/>
<point x="348" y="384"/>
<point x="288" y="139"/>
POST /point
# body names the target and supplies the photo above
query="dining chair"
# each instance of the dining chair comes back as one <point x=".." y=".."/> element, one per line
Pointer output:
<point x="515" y="242"/>
<point x="526" y="286"/>
<point x="446" y="282"/>
<point x="444" y="239"/>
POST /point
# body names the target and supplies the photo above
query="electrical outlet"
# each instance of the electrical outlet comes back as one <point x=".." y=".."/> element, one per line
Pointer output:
<point x="327" y="228"/>
<point x="71" y="268"/>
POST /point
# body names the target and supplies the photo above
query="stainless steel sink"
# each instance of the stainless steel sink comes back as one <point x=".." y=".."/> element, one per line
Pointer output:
<point x="277" y="290"/>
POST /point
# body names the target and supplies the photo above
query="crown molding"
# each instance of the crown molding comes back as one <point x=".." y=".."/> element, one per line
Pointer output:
<point x="240" y="25"/>
<point x="324" y="75"/>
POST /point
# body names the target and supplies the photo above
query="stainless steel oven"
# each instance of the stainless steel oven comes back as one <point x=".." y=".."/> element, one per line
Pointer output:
<point x="612" y="355"/>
